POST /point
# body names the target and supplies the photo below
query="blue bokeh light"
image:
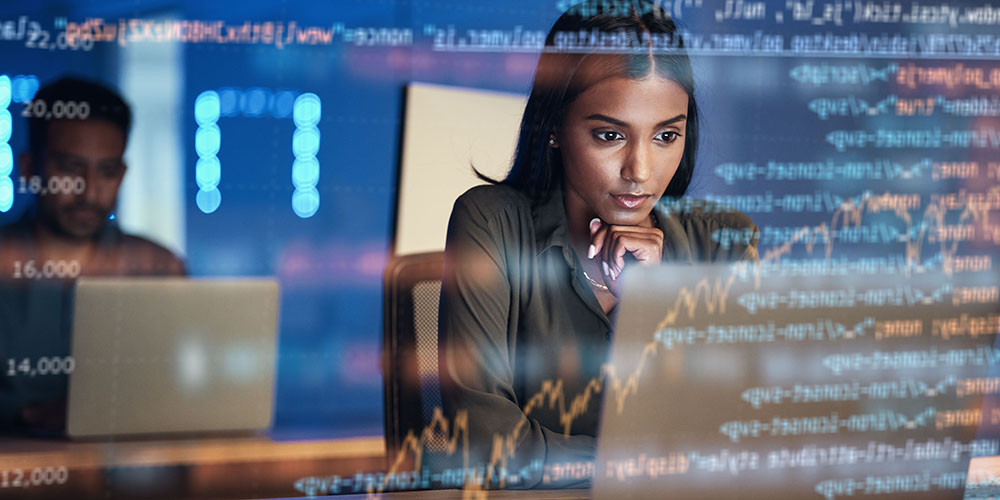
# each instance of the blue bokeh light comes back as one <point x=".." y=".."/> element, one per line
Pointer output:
<point x="228" y="99"/>
<point x="208" y="173"/>
<point x="207" y="108"/>
<point x="305" y="202"/>
<point x="31" y="87"/>
<point x="5" y="126"/>
<point x="256" y="101"/>
<point x="306" y="111"/>
<point x="6" y="194"/>
<point x="6" y="155"/>
<point x="305" y="172"/>
<point x="23" y="88"/>
<point x="208" y="200"/>
<point x="5" y="91"/>
<point x="6" y="159"/>
<point x="281" y="106"/>
<point x="207" y="141"/>
<point x="305" y="142"/>
<point x="19" y="90"/>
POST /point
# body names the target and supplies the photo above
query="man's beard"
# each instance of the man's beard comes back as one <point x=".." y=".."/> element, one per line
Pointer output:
<point x="61" y="222"/>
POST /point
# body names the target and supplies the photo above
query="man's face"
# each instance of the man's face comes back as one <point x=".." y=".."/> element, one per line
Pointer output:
<point x="87" y="150"/>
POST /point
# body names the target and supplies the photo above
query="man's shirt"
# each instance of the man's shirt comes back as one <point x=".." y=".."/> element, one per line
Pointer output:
<point x="36" y="313"/>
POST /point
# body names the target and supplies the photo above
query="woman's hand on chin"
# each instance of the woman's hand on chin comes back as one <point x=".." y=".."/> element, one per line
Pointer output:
<point x="614" y="245"/>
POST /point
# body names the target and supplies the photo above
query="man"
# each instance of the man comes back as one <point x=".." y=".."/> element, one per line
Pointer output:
<point x="74" y="167"/>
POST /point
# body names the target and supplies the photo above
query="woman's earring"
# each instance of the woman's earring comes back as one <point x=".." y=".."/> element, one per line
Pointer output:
<point x="552" y="141"/>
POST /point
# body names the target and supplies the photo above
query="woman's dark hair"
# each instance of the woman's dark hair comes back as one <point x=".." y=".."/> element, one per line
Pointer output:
<point x="592" y="41"/>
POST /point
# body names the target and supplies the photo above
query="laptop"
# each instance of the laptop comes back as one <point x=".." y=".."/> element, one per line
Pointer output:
<point x="742" y="381"/>
<point x="156" y="356"/>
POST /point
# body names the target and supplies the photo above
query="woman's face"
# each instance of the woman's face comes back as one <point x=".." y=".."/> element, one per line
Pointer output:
<point x="621" y="142"/>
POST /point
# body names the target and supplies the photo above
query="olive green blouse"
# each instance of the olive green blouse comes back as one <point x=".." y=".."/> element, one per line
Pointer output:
<point x="517" y="319"/>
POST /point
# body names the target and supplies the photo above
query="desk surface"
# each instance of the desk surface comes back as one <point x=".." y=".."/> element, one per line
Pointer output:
<point x="489" y="495"/>
<point x="217" y="467"/>
<point x="249" y="467"/>
<point x="235" y="467"/>
<point x="32" y="453"/>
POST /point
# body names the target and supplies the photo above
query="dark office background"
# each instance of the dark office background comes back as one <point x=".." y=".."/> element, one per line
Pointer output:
<point x="330" y="263"/>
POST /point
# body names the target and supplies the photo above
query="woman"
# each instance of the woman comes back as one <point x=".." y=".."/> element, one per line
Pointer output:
<point x="532" y="262"/>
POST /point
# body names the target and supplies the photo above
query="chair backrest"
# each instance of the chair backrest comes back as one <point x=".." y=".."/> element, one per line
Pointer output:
<point x="412" y="289"/>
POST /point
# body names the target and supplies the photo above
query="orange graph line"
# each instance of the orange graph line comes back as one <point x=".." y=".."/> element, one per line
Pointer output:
<point x="552" y="394"/>
<point x="851" y="212"/>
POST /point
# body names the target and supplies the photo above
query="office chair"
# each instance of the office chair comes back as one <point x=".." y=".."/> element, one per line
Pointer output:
<point x="412" y="289"/>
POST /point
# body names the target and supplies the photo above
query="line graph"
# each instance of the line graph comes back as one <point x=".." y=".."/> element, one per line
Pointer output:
<point x="852" y="211"/>
<point x="712" y="298"/>
<point x="552" y="395"/>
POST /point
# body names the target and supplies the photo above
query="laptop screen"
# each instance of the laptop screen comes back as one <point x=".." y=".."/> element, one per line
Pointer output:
<point x="759" y="381"/>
